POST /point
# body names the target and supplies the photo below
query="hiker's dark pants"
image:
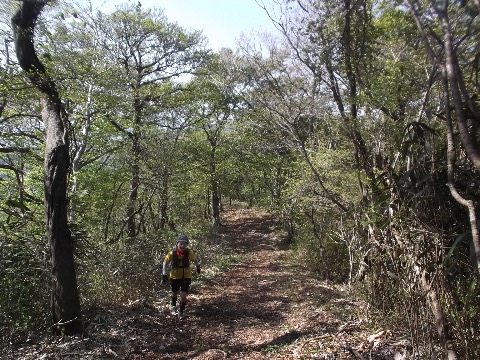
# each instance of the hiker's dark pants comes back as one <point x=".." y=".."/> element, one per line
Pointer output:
<point x="183" y="285"/>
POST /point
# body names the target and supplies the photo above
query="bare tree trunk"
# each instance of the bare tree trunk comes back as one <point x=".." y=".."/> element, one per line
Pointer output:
<point x="163" y="209"/>
<point x="65" y="297"/>
<point x="134" y="184"/>
<point x="438" y="314"/>
<point x="215" y="199"/>
<point x="455" y="80"/>
<point x="164" y="219"/>
<point x="135" y="136"/>
<point x="469" y="204"/>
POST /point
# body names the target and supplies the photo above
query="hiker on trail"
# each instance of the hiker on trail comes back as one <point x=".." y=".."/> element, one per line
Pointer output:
<point x="180" y="259"/>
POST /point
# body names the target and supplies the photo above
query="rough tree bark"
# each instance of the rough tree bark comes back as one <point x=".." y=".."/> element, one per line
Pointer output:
<point x="65" y="298"/>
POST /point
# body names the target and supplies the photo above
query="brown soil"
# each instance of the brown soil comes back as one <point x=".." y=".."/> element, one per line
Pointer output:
<point x="261" y="307"/>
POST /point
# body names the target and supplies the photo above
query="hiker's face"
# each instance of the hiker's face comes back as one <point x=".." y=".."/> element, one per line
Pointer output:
<point x="182" y="245"/>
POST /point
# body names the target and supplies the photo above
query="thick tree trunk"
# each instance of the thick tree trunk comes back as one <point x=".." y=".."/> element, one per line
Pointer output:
<point x="65" y="297"/>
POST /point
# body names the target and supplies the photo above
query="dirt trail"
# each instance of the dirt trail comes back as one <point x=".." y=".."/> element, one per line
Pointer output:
<point x="243" y="310"/>
<point x="260" y="308"/>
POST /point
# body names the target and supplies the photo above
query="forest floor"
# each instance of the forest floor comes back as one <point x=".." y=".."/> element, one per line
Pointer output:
<point x="261" y="307"/>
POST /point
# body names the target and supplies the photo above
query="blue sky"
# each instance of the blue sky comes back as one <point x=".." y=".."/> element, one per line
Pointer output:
<point x="222" y="21"/>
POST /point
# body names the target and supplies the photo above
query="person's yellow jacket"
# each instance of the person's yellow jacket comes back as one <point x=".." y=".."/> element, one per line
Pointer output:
<point x="180" y="272"/>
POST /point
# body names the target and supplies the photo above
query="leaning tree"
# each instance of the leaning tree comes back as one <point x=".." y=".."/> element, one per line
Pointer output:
<point x="65" y="297"/>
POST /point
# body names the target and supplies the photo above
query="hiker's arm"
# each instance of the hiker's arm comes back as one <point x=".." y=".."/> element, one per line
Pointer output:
<point x="164" y="269"/>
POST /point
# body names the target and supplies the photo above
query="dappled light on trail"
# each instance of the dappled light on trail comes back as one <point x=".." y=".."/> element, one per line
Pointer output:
<point x="262" y="307"/>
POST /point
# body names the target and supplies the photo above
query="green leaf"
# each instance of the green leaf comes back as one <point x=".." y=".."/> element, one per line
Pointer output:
<point x="452" y="249"/>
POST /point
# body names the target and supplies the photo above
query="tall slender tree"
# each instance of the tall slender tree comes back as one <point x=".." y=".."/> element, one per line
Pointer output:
<point x="153" y="54"/>
<point x="65" y="297"/>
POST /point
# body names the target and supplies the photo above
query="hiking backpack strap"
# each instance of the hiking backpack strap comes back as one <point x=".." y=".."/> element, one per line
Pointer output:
<point x="176" y="261"/>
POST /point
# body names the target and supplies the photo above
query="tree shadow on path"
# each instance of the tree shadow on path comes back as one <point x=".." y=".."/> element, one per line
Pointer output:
<point x="246" y="312"/>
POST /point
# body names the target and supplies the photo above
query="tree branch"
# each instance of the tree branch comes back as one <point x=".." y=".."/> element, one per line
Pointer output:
<point x="23" y="24"/>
